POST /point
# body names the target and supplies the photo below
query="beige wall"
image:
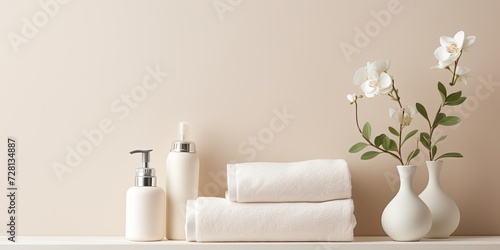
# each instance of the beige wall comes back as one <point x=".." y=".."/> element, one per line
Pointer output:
<point x="230" y="74"/>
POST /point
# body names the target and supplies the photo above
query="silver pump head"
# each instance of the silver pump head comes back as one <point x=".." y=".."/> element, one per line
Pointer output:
<point x="183" y="144"/>
<point x="144" y="176"/>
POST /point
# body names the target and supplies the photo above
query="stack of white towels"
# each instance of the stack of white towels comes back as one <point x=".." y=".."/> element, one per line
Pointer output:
<point x="299" y="201"/>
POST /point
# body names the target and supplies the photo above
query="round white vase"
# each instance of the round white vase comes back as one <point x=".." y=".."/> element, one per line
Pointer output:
<point x="406" y="217"/>
<point x="445" y="212"/>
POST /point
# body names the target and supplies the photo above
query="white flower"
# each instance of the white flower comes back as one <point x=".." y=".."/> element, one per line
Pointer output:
<point x="404" y="115"/>
<point x="373" y="78"/>
<point x="362" y="74"/>
<point x="352" y="98"/>
<point x="462" y="72"/>
<point x="442" y="65"/>
<point x="451" y="48"/>
<point x="468" y="42"/>
<point x="377" y="84"/>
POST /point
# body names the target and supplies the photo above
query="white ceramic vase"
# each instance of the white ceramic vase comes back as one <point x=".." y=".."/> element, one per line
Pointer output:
<point x="445" y="213"/>
<point x="406" y="217"/>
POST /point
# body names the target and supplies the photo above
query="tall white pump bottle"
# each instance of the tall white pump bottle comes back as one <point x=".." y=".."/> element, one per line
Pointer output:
<point x="183" y="167"/>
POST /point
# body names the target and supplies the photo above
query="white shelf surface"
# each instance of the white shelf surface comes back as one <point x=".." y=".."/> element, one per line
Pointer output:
<point x="360" y="243"/>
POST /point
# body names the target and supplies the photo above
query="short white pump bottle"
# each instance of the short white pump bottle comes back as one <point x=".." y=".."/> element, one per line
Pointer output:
<point x="145" y="210"/>
<point x="183" y="167"/>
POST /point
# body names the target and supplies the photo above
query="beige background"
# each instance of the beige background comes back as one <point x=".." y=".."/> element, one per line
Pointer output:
<point x="230" y="73"/>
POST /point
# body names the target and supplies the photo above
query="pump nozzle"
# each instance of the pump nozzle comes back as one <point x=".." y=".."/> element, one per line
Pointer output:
<point x="145" y="156"/>
<point x="183" y="144"/>
<point x="183" y="131"/>
<point x="144" y="176"/>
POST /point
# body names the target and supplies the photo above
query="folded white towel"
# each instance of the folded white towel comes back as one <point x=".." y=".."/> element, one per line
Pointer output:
<point x="314" y="180"/>
<point x="218" y="219"/>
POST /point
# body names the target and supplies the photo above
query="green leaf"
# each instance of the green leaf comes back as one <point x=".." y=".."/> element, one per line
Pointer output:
<point x="357" y="147"/>
<point x="450" y="121"/>
<point x="369" y="155"/>
<point x="378" y="140"/>
<point x="450" y="155"/>
<point x="425" y="135"/>
<point x="421" y="109"/>
<point x="424" y="139"/>
<point x="442" y="91"/>
<point x="393" y="131"/>
<point x="439" y="117"/>
<point x="441" y="139"/>
<point x="393" y="146"/>
<point x="453" y="97"/>
<point x="409" y="135"/>
<point x="386" y="142"/>
<point x="457" y="102"/>
<point x="367" y="130"/>
<point x="434" y="150"/>
<point x="412" y="155"/>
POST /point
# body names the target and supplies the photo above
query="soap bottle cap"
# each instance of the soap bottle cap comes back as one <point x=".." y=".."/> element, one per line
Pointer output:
<point x="183" y="144"/>
<point x="144" y="176"/>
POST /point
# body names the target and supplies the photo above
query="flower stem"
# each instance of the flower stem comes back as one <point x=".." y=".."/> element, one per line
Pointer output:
<point x="433" y="126"/>
<point x="397" y="98"/>
<point x="453" y="78"/>
<point x="357" y="120"/>
<point x="399" y="158"/>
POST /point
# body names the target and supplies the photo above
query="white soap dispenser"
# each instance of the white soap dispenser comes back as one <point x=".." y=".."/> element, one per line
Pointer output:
<point x="145" y="208"/>
<point x="183" y="167"/>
